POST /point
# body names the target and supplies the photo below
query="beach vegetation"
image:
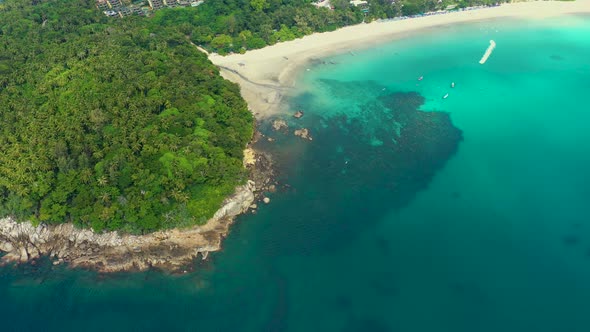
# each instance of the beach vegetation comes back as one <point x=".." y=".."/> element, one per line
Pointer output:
<point x="226" y="26"/>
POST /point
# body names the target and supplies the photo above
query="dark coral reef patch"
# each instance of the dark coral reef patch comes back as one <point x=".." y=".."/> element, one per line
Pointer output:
<point x="359" y="167"/>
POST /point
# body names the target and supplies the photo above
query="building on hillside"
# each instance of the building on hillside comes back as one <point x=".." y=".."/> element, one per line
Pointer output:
<point x="156" y="4"/>
<point x="115" y="3"/>
<point x="124" y="8"/>
<point x="362" y="3"/>
<point x="323" y="3"/>
<point x="138" y="11"/>
<point x="357" y="3"/>
<point x="102" y="5"/>
<point x="125" y="11"/>
<point x="177" y="3"/>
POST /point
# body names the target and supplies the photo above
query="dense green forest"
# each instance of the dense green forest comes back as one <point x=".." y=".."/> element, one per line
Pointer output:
<point x="112" y="124"/>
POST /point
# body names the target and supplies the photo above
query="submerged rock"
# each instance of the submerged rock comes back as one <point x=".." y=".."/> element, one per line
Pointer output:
<point x="303" y="133"/>
<point x="298" y="114"/>
<point x="279" y="124"/>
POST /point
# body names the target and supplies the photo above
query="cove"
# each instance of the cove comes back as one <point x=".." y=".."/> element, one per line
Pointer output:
<point x="407" y="211"/>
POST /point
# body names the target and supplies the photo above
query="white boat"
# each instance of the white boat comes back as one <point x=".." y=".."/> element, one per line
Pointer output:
<point x="452" y="84"/>
<point x="445" y="96"/>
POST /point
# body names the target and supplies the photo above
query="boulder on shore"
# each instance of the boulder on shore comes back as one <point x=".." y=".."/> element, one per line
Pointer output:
<point x="111" y="251"/>
<point x="249" y="157"/>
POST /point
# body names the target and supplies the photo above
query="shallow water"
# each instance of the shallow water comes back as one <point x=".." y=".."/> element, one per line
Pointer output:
<point x="407" y="211"/>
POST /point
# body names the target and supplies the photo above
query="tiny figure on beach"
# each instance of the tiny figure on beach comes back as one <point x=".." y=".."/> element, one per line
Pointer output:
<point x="241" y="64"/>
<point x="420" y="78"/>
<point x="285" y="58"/>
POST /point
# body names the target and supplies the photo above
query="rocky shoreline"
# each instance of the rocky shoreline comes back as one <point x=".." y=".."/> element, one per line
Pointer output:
<point x="111" y="252"/>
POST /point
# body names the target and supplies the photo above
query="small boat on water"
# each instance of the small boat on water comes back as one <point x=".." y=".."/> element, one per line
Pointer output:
<point x="446" y="96"/>
<point x="420" y="78"/>
<point x="452" y="84"/>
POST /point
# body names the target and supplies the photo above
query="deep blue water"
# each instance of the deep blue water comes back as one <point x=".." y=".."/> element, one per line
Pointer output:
<point x="407" y="211"/>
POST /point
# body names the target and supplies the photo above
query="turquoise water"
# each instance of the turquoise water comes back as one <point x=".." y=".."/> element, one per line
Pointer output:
<point x="407" y="211"/>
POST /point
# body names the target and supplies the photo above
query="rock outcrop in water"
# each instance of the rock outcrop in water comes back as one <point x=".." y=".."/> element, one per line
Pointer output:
<point x="303" y="133"/>
<point x="111" y="251"/>
<point x="279" y="125"/>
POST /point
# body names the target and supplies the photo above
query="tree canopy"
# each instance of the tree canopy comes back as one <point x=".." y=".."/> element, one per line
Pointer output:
<point x="238" y="25"/>
<point x="227" y="26"/>
<point x="112" y="124"/>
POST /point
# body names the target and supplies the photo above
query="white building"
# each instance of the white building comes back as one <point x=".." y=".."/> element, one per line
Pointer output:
<point x="358" y="2"/>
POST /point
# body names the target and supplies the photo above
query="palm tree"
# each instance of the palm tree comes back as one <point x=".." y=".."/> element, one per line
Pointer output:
<point x="105" y="197"/>
<point x="86" y="175"/>
<point x="102" y="181"/>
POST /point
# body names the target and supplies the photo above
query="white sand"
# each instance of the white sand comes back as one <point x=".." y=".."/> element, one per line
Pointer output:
<point x="265" y="75"/>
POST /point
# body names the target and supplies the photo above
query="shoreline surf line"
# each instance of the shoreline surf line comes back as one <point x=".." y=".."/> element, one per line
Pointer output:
<point x="280" y="64"/>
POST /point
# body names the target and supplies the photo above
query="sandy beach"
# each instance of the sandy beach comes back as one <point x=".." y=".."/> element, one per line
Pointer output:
<point x="267" y="74"/>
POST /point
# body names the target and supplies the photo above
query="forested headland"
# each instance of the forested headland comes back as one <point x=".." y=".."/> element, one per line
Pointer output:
<point x="112" y="124"/>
